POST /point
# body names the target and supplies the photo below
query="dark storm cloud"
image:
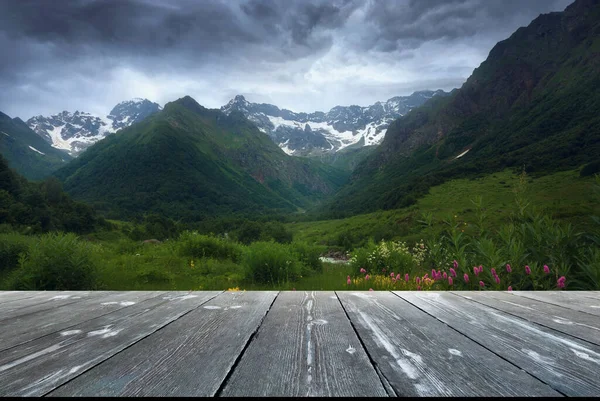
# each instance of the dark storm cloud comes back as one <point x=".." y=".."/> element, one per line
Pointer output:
<point x="279" y="49"/>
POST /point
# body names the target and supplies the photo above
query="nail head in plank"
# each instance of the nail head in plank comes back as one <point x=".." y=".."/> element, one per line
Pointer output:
<point x="305" y="347"/>
<point x="189" y="357"/>
<point x="567" y="364"/>
<point x="41" y="365"/>
<point x="420" y="356"/>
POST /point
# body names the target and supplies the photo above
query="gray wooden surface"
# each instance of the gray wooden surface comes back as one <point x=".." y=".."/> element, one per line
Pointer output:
<point x="569" y="365"/>
<point x="201" y="347"/>
<point x="305" y="347"/>
<point x="578" y="324"/>
<point x="420" y="356"/>
<point x="212" y="343"/>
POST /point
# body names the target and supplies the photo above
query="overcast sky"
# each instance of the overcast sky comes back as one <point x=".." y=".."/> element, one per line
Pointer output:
<point x="303" y="55"/>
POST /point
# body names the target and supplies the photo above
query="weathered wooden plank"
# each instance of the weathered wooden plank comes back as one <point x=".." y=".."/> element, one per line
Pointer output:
<point x="420" y="356"/>
<point x="39" y="366"/>
<point x="567" y="364"/>
<point x="43" y="300"/>
<point x="578" y="324"/>
<point x="565" y="299"/>
<point x="305" y="347"/>
<point x="589" y="294"/>
<point x="6" y="296"/>
<point x="190" y="357"/>
<point x="24" y="328"/>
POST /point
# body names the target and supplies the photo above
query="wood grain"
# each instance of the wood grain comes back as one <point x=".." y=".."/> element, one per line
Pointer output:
<point x="588" y="294"/>
<point x="6" y="296"/>
<point x="567" y="364"/>
<point x="578" y="324"/>
<point x="305" y="347"/>
<point x="24" y="328"/>
<point x="420" y="356"/>
<point x="565" y="299"/>
<point x="43" y="300"/>
<point x="39" y="366"/>
<point x="189" y="357"/>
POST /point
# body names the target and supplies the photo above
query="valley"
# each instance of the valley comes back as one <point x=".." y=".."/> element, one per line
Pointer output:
<point x="494" y="185"/>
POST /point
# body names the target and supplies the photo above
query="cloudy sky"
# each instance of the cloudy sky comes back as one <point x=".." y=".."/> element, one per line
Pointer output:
<point x="303" y="55"/>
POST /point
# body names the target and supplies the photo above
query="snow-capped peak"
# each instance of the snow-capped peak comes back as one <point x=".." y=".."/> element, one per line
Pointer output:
<point x="304" y="134"/>
<point x="75" y="132"/>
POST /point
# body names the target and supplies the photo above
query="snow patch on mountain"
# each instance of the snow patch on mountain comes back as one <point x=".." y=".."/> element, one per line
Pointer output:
<point x="75" y="132"/>
<point x="305" y="134"/>
<point x="35" y="150"/>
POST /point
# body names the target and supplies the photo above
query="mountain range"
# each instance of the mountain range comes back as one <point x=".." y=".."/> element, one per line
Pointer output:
<point x="533" y="103"/>
<point x="298" y="134"/>
<point x="75" y="132"/>
<point x="318" y="133"/>
<point x="190" y="162"/>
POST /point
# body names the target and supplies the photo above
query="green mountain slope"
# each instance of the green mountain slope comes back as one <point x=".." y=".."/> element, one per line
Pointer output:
<point x="534" y="102"/>
<point x="39" y="207"/>
<point x="16" y="143"/>
<point x="191" y="162"/>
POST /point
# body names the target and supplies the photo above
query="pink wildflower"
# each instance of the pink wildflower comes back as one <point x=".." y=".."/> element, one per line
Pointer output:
<point x="475" y="270"/>
<point x="497" y="279"/>
<point x="455" y="264"/>
<point x="433" y="274"/>
<point x="406" y="277"/>
<point x="383" y="270"/>
<point x="466" y="277"/>
<point x="418" y="280"/>
<point x="362" y="270"/>
<point x="480" y="268"/>
<point x="453" y="272"/>
<point x="293" y="289"/>
<point x="367" y="277"/>
<point x="370" y="289"/>
<point x="560" y="283"/>
<point x="425" y="276"/>
<point x="508" y="269"/>
<point x="510" y="288"/>
<point x="398" y="277"/>
<point x="481" y="284"/>
<point x="546" y="269"/>
<point x="445" y="275"/>
<point x="392" y="275"/>
<point x="493" y="271"/>
<point x="348" y="281"/>
<point x="418" y="288"/>
<point x="527" y="270"/>
<point x="450" y="280"/>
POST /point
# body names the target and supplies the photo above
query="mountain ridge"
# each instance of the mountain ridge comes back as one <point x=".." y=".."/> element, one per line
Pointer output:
<point x="532" y="103"/>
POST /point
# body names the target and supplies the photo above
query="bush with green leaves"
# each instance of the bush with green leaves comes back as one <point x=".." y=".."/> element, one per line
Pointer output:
<point x="57" y="261"/>
<point x="309" y="256"/>
<point x="387" y="257"/>
<point x="11" y="246"/>
<point x="270" y="263"/>
<point x="194" y="245"/>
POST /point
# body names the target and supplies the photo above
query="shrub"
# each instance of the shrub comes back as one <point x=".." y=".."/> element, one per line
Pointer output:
<point x="270" y="263"/>
<point x="57" y="261"/>
<point x="11" y="246"/>
<point x="309" y="256"/>
<point x="194" y="245"/>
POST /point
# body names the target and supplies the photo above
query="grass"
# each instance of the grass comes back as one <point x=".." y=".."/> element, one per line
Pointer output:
<point x="565" y="195"/>
<point x="466" y="220"/>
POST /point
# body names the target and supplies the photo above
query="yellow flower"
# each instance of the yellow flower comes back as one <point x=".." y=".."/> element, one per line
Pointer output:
<point x="233" y="289"/>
